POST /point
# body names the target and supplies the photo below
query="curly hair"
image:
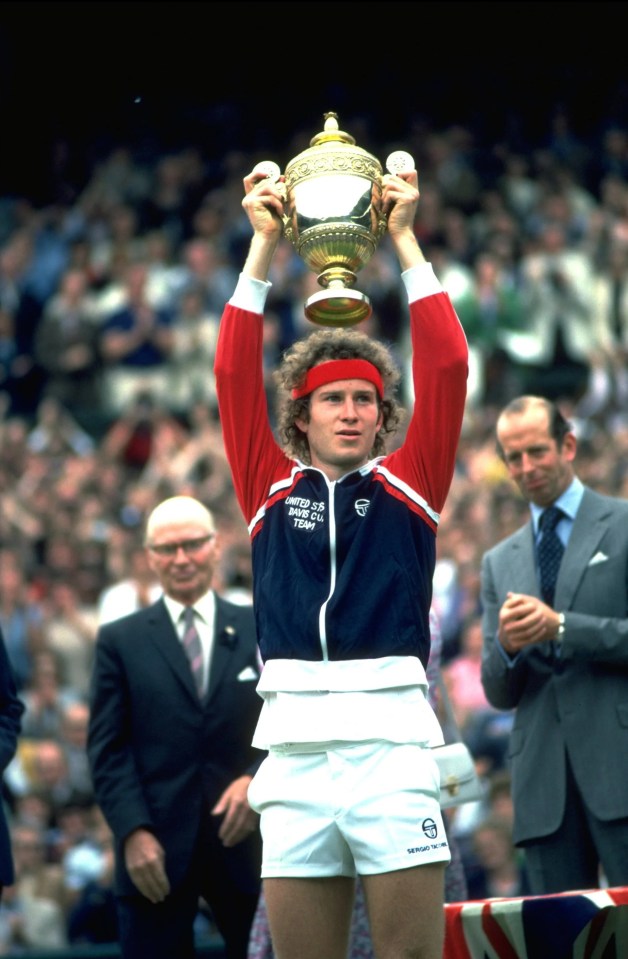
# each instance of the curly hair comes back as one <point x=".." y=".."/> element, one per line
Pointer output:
<point x="331" y="344"/>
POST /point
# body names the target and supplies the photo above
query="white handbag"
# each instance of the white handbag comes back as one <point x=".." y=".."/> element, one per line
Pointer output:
<point x="459" y="781"/>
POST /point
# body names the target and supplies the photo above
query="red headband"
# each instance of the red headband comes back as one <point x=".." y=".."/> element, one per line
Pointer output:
<point x="332" y="370"/>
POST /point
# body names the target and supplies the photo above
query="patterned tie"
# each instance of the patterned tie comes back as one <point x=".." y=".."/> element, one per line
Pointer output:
<point x="550" y="553"/>
<point x="193" y="648"/>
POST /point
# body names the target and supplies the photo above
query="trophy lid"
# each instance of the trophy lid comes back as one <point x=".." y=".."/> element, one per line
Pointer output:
<point x="331" y="133"/>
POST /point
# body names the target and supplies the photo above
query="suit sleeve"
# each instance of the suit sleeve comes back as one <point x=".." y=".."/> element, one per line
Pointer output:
<point x="116" y="778"/>
<point x="502" y="679"/>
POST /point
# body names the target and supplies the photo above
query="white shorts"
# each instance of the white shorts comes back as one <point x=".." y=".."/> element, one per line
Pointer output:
<point x="348" y="808"/>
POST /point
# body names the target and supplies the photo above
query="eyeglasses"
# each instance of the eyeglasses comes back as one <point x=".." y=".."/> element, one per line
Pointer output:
<point x="189" y="546"/>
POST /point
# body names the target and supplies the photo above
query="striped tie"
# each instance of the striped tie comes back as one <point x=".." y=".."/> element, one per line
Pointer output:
<point x="193" y="648"/>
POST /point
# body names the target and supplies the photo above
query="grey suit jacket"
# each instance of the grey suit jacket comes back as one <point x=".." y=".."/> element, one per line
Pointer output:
<point x="571" y="698"/>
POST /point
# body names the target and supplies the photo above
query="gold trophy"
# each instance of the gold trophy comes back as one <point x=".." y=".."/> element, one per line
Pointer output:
<point x="334" y="218"/>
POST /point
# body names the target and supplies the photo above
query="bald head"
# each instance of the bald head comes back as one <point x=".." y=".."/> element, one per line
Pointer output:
<point x="525" y="409"/>
<point x="182" y="547"/>
<point x="179" y="511"/>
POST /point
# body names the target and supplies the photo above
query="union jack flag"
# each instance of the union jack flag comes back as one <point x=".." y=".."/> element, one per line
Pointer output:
<point x="590" y="924"/>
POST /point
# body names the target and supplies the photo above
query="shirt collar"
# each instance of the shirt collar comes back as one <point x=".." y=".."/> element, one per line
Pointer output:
<point x="569" y="502"/>
<point x="205" y="608"/>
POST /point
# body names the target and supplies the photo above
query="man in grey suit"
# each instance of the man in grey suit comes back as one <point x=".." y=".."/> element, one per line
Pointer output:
<point x="562" y="666"/>
<point x="172" y="761"/>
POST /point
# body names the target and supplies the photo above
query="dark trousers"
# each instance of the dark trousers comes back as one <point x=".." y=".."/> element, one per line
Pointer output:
<point x="228" y="880"/>
<point x="575" y="855"/>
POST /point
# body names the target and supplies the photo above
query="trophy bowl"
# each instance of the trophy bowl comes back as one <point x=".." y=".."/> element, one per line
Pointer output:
<point x="334" y="220"/>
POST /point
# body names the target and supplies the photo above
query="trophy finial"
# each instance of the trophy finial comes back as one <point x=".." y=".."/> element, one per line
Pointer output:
<point x="331" y="133"/>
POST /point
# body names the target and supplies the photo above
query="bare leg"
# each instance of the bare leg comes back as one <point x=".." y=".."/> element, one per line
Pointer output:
<point x="310" y="918"/>
<point x="406" y="912"/>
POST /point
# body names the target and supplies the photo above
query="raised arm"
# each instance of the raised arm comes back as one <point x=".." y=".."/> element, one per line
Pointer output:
<point x="264" y="206"/>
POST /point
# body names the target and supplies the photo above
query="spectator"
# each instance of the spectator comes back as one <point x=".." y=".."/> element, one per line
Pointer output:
<point x="89" y="868"/>
<point x="138" y="588"/>
<point x="66" y="346"/>
<point x="56" y="434"/>
<point x="140" y="431"/>
<point x="606" y="397"/>
<point x="499" y="869"/>
<point x="191" y="362"/>
<point x="33" y="914"/>
<point x="70" y="627"/>
<point x="10" y="361"/>
<point x="463" y="676"/>
<point x="556" y="287"/>
<point x="73" y="738"/>
<point x="490" y="309"/>
<point x="136" y="343"/>
<point x="45" y="698"/>
<point x="21" y="619"/>
<point x="206" y="267"/>
<point x="26" y="381"/>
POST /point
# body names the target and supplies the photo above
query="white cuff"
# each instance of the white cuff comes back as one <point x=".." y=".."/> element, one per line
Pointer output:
<point x="421" y="281"/>
<point x="250" y="294"/>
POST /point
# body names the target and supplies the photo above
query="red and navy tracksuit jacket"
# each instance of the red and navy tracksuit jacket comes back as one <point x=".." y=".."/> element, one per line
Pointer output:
<point x="343" y="570"/>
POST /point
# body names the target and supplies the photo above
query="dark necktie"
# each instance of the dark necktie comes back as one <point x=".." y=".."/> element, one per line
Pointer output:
<point x="193" y="648"/>
<point x="550" y="552"/>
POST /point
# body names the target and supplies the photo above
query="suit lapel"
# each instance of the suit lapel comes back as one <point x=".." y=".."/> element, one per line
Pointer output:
<point x="167" y="644"/>
<point x="588" y="529"/>
<point x="225" y="642"/>
<point x="520" y="561"/>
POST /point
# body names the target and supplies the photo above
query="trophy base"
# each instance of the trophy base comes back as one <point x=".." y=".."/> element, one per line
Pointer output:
<point x="338" y="307"/>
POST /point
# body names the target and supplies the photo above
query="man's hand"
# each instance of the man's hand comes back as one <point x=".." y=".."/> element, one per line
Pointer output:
<point x="525" y="620"/>
<point x="144" y="858"/>
<point x="400" y="198"/>
<point x="239" y="819"/>
<point x="264" y="204"/>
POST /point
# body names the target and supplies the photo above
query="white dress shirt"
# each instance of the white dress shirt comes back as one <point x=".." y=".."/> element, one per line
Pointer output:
<point x="205" y="610"/>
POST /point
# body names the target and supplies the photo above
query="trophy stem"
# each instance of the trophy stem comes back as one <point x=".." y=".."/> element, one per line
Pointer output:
<point x="338" y="306"/>
<point x="336" y="276"/>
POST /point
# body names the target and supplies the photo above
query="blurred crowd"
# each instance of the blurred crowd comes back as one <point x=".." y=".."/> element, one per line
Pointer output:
<point x="111" y="291"/>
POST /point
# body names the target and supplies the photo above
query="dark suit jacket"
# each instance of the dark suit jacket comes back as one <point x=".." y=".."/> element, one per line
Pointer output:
<point x="156" y="752"/>
<point x="11" y="710"/>
<point x="577" y="700"/>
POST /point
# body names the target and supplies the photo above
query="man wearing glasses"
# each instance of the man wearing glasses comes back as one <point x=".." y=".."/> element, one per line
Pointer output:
<point x="173" y="710"/>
